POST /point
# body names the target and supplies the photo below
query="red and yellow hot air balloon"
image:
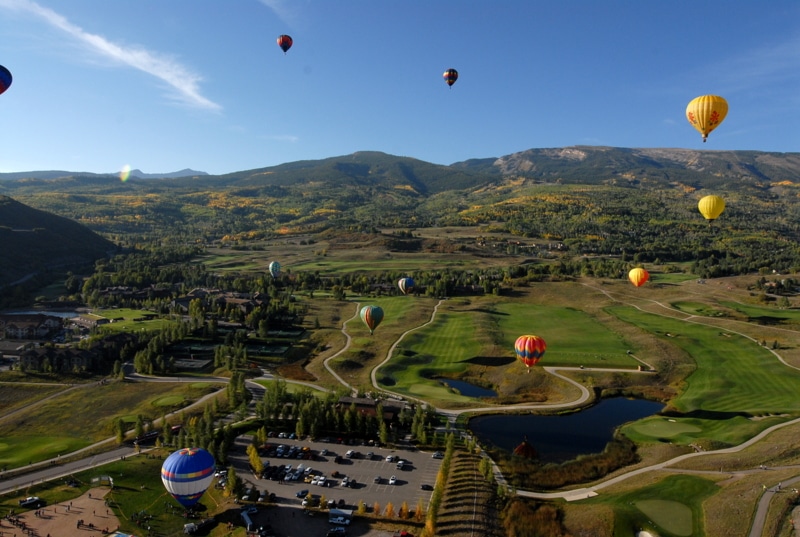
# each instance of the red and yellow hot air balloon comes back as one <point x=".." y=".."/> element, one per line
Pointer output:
<point x="530" y="350"/>
<point x="706" y="112"/>
<point x="285" y="42"/>
<point x="638" y="276"/>
<point x="711" y="207"/>
<point x="450" y="76"/>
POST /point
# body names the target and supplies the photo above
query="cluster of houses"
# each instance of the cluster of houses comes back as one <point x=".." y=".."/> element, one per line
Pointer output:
<point x="22" y="333"/>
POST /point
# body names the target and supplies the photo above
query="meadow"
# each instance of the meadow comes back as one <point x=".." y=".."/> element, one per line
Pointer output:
<point x="86" y="415"/>
<point x="474" y="341"/>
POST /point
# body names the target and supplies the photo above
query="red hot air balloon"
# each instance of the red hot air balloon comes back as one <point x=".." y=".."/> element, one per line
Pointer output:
<point x="450" y="77"/>
<point x="285" y="42"/>
<point x="5" y="79"/>
<point x="530" y="350"/>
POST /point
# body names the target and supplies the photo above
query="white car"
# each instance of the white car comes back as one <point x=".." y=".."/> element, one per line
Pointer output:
<point x="392" y="480"/>
<point x="389" y="458"/>
<point x="339" y="521"/>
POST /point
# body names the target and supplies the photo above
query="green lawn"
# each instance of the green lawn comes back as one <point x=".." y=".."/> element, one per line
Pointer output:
<point x="670" y="507"/>
<point x="573" y="337"/>
<point x="758" y="313"/>
<point x="736" y="379"/>
<point x="87" y="415"/>
<point x="445" y="347"/>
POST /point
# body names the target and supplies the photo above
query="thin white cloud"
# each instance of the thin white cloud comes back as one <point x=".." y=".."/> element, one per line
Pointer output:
<point x="177" y="76"/>
<point x="281" y="9"/>
<point x="776" y="64"/>
<point x="284" y="138"/>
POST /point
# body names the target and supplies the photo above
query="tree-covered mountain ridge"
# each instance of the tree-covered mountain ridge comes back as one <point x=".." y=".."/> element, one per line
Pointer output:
<point x="37" y="242"/>
<point x="566" y="165"/>
<point x="593" y="200"/>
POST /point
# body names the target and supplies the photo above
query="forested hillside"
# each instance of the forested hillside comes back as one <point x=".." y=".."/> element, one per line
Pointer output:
<point x="36" y="243"/>
<point x="640" y="204"/>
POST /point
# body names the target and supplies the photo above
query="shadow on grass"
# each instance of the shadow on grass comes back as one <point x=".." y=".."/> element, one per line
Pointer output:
<point x="493" y="361"/>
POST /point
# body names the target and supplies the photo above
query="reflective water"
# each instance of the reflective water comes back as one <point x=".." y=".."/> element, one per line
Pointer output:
<point x="467" y="389"/>
<point x="562" y="438"/>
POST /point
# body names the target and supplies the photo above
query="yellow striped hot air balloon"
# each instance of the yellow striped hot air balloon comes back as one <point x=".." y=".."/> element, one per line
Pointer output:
<point x="711" y="207"/>
<point x="706" y="112"/>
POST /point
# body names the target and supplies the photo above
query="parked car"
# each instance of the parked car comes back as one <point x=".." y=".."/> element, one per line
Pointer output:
<point x="377" y="479"/>
<point x="339" y="521"/>
<point x="392" y="480"/>
<point x="426" y="486"/>
<point x="389" y="458"/>
<point x="34" y="502"/>
<point x="302" y="493"/>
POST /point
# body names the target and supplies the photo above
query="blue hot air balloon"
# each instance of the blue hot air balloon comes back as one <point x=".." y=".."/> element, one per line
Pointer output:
<point x="275" y="269"/>
<point x="406" y="285"/>
<point x="5" y="79"/>
<point x="187" y="473"/>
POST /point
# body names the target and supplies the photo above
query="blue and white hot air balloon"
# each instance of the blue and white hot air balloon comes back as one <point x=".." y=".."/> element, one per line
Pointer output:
<point x="406" y="285"/>
<point x="274" y="269"/>
<point x="187" y="473"/>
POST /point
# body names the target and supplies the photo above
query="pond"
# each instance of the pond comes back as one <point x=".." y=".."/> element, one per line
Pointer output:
<point x="562" y="438"/>
<point x="468" y="390"/>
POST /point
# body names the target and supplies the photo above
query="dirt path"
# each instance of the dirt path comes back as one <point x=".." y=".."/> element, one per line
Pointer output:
<point x="61" y="520"/>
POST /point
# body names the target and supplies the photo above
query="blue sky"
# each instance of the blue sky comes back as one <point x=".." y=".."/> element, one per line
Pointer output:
<point x="163" y="85"/>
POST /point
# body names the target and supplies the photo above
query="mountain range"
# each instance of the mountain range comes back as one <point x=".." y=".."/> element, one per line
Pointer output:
<point x="575" y="164"/>
<point x="531" y="193"/>
<point x="58" y="174"/>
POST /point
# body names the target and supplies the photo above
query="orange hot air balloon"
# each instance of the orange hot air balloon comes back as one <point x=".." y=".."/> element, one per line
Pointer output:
<point x="706" y="112"/>
<point x="638" y="276"/>
<point x="530" y="350"/>
<point x="711" y="207"/>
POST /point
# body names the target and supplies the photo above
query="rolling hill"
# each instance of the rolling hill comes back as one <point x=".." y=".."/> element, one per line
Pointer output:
<point x="36" y="242"/>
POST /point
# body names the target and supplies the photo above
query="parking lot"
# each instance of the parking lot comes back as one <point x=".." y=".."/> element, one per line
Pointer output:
<point x="362" y="473"/>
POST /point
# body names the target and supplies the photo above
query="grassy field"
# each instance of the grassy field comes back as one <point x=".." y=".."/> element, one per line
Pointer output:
<point x="671" y="506"/>
<point x="736" y="380"/>
<point x="474" y="340"/>
<point x="86" y="415"/>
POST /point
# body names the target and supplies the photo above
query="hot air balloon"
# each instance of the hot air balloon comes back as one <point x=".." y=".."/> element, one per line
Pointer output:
<point x="530" y="350"/>
<point x="5" y="79"/>
<point x="405" y="285"/>
<point x="450" y="76"/>
<point x="638" y="276"/>
<point x="187" y="473"/>
<point x="711" y="207"/>
<point x="275" y="269"/>
<point x="285" y="42"/>
<point x="372" y="317"/>
<point x="706" y="112"/>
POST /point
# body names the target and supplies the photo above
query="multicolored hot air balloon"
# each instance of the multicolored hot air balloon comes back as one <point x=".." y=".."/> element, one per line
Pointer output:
<point x="372" y="317"/>
<point x="406" y="285"/>
<point x="187" y="473"/>
<point x="711" y="207"/>
<point x="274" y="269"/>
<point x="706" y="112"/>
<point x="5" y="79"/>
<point x="638" y="276"/>
<point x="530" y="350"/>
<point x="285" y="42"/>
<point x="450" y="76"/>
